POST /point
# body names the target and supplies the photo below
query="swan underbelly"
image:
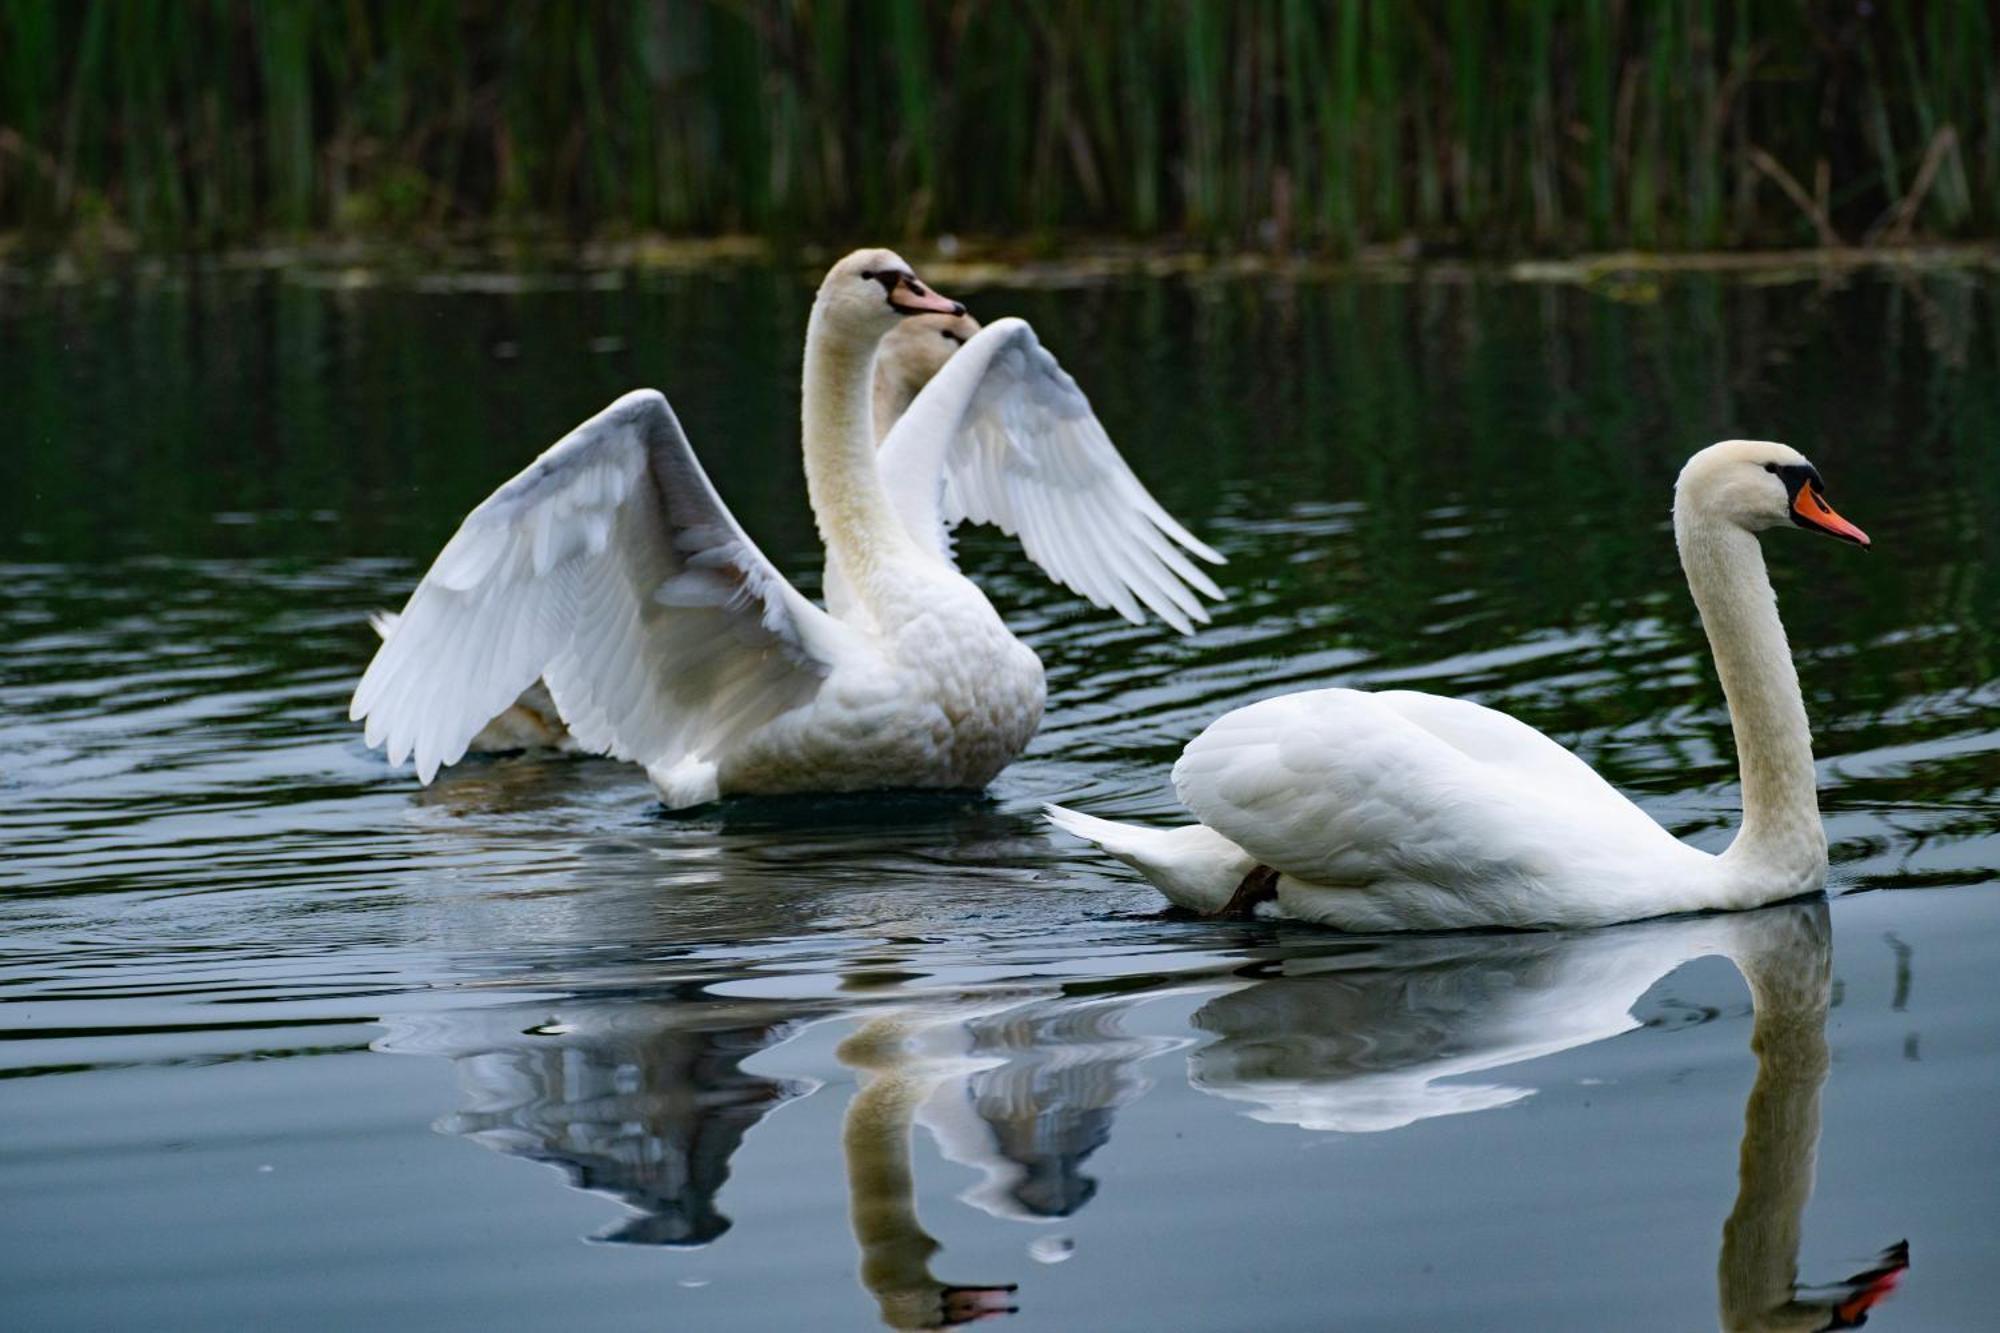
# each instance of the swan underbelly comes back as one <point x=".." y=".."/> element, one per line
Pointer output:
<point x="953" y="699"/>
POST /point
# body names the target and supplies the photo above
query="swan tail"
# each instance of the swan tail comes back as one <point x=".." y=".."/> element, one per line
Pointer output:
<point x="1194" y="866"/>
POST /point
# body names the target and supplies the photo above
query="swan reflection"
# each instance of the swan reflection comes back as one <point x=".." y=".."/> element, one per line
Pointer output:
<point x="644" y="1096"/>
<point x="896" y="1251"/>
<point x="1385" y="1034"/>
<point x="1036" y="1096"/>
<point x="1787" y="961"/>
<point x="1377" y="1037"/>
<point x="1023" y="1090"/>
<point x="644" y="1101"/>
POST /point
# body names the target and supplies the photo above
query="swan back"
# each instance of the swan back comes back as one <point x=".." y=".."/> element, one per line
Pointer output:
<point x="1400" y="810"/>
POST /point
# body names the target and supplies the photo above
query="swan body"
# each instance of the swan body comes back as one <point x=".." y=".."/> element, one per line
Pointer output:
<point x="869" y="725"/>
<point x="911" y="354"/>
<point x="1408" y="811"/>
<point x="611" y="571"/>
<point x="938" y="695"/>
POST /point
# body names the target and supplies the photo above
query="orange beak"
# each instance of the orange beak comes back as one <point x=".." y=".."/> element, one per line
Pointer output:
<point x="1810" y="510"/>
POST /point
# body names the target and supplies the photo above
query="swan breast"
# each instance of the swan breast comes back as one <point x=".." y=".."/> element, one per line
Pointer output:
<point x="948" y="699"/>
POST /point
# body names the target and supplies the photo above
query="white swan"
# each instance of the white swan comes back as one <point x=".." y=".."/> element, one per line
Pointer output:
<point x="612" y="570"/>
<point x="1407" y="811"/>
<point x="911" y="355"/>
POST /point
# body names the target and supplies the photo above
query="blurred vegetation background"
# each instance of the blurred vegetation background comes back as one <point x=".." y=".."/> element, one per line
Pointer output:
<point x="1470" y="125"/>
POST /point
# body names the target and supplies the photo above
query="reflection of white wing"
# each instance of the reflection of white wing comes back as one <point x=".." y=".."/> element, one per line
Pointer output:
<point x="1002" y="435"/>
<point x="1388" y="1034"/>
<point x="644" y="1099"/>
<point x="1340" y="787"/>
<point x="611" y="568"/>
<point x="1343" y="1044"/>
<point x="1030" y="1124"/>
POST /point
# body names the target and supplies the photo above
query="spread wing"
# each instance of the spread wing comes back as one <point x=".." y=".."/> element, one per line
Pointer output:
<point x="610" y="568"/>
<point x="1344" y="787"/>
<point x="1002" y="435"/>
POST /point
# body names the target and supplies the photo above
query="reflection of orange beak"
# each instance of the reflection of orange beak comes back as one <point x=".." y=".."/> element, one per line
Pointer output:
<point x="1810" y="510"/>
<point x="913" y="298"/>
<point x="1871" y="1287"/>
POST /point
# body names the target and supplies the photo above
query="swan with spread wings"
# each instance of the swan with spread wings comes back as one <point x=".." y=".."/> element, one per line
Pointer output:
<point x="610" y="570"/>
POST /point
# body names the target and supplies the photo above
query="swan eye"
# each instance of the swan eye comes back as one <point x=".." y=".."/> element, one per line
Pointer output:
<point x="1771" y="468"/>
<point x="869" y="276"/>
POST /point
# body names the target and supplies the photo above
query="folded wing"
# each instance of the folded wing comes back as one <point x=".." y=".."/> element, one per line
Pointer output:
<point x="1344" y="787"/>
<point x="611" y="569"/>
<point x="1002" y="435"/>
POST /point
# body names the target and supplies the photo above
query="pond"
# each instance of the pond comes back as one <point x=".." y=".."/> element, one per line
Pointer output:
<point x="291" y="1041"/>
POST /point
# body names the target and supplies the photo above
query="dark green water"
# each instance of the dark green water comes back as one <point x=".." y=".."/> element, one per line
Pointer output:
<point x="290" y="1042"/>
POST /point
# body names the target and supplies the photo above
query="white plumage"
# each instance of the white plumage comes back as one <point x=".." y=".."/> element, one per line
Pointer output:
<point x="1402" y="811"/>
<point x="611" y="571"/>
<point x="1002" y="435"/>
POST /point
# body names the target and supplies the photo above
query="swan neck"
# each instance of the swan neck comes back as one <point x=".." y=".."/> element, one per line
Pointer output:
<point x="1781" y="846"/>
<point x="850" y="505"/>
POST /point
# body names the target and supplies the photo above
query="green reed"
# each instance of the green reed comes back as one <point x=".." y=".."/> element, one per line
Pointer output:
<point x="1474" y="125"/>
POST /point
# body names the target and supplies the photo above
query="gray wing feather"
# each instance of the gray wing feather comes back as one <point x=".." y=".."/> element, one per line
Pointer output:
<point x="1003" y="435"/>
<point x="610" y="568"/>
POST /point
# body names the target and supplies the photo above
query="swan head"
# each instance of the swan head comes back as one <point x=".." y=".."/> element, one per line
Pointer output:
<point x="917" y="348"/>
<point x="911" y="354"/>
<point x="1760" y="484"/>
<point x="871" y="291"/>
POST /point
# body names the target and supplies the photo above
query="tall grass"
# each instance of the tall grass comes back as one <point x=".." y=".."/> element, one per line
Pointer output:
<point x="1479" y="125"/>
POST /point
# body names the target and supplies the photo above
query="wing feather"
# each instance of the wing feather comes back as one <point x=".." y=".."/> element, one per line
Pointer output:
<point x="1003" y="435"/>
<point x="1345" y="787"/>
<point x="610" y="568"/>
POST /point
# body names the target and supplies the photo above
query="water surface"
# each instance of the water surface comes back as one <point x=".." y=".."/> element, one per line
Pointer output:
<point x="292" y="1042"/>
